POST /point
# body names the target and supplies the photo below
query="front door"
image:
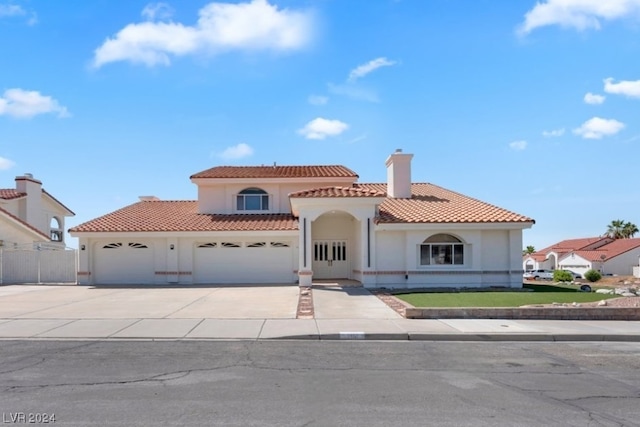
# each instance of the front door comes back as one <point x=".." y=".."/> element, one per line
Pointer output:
<point x="330" y="259"/>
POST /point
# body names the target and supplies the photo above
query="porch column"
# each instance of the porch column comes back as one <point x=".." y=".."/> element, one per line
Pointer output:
<point x="367" y="252"/>
<point x="305" y="273"/>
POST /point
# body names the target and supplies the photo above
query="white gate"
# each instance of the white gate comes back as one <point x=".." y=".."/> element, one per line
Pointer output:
<point x="38" y="265"/>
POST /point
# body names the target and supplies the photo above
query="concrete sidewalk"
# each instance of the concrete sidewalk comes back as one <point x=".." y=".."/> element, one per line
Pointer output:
<point x="320" y="329"/>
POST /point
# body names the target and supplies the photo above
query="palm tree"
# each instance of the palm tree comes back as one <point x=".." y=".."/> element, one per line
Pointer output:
<point x="629" y="230"/>
<point x="528" y="250"/>
<point x="614" y="230"/>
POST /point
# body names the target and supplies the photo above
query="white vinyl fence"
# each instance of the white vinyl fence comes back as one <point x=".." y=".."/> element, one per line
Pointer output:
<point x="35" y="265"/>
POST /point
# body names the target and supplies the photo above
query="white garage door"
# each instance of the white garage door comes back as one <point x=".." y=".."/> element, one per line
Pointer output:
<point x="124" y="263"/>
<point x="243" y="262"/>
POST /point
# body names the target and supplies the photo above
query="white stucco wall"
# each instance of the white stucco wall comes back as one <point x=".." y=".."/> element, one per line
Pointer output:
<point x="220" y="198"/>
<point x="11" y="233"/>
<point x="492" y="258"/>
<point x="622" y="264"/>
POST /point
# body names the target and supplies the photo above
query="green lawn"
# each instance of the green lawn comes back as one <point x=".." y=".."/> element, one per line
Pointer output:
<point x="541" y="294"/>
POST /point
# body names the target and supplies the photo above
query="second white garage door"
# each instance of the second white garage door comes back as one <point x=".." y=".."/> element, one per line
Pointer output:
<point x="243" y="262"/>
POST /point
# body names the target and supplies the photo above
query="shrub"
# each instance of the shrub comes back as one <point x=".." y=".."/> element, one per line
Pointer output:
<point x="562" y="276"/>
<point x="592" y="275"/>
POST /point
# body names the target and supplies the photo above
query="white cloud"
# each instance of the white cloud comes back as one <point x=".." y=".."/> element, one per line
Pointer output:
<point x="12" y="10"/>
<point x="518" y="145"/>
<point x="236" y="152"/>
<point x="6" y="164"/>
<point x="154" y="11"/>
<point x="578" y="14"/>
<point x="25" y="104"/>
<point x="364" y="69"/>
<point x="353" y="92"/>
<point x="318" y="100"/>
<point x="596" y="128"/>
<point x="594" y="99"/>
<point x="320" y="128"/>
<point x="623" y="87"/>
<point x="553" y="133"/>
<point x="256" y="25"/>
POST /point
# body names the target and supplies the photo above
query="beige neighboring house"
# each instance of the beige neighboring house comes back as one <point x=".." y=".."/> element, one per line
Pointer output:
<point x="298" y="224"/>
<point x="30" y="216"/>
<point x="607" y="255"/>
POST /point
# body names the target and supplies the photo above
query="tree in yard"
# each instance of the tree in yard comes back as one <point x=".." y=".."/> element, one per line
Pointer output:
<point x="614" y="230"/>
<point x="528" y="250"/>
<point x="629" y="230"/>
<point x="619" y="229"/>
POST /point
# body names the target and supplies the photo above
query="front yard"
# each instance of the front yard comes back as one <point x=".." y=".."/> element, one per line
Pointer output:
<point x="532" y="294"/>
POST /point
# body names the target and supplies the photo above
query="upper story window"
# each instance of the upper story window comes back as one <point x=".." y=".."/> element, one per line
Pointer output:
<point x="442" y="249"/>
<point x="252" y="199"/>
<point x="56" y="232"/>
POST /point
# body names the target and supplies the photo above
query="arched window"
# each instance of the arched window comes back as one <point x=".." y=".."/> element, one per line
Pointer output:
<point x="55" y="228"/>
<point x="252" y="199"/>
<point x="442" y="249"/>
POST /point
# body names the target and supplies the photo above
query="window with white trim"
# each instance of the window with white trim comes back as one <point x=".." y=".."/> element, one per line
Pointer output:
<point x="442" y="249"/>
<point x="252" y="199"/>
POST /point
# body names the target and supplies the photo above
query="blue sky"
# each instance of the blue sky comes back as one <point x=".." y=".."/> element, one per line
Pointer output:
<point x="529" y="105"/>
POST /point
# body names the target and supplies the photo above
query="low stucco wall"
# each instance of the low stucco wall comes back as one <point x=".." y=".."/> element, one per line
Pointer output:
<point x="531" y="313"/>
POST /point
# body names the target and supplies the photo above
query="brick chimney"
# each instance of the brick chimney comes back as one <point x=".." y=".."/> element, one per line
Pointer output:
<point x="399" y="175"/>
<point x="30" y="211"/>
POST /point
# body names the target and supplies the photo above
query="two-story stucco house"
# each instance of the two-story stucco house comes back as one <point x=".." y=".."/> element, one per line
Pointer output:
<point x="295" y="224"/>
<point x="30" y="215"/>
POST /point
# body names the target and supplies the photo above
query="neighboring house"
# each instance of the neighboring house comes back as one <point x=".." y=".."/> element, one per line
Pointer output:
<point x="30" y="216"/>
<point x="288" y="224"/>
<point x="604" y="254"/>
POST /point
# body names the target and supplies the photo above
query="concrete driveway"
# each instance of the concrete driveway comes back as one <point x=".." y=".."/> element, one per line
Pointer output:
<point x="86" y="302"/>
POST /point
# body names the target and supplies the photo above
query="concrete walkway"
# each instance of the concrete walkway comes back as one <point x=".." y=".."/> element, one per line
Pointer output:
<point x="255" y="313"/>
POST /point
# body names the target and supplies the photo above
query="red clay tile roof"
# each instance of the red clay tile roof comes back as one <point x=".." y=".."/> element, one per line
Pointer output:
<point x="338" y="191"/>
<point x="328" y="171"/>
<point x="570" y="245"/>
<point x="433" y="204"/>
<point x="182" y="216"/>
<point x="610" y="250"/>
<point x="25" y="224"/>
<point x="10" y="193"/>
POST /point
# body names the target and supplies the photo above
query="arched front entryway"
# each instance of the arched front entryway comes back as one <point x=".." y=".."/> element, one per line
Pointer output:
<point x="333" y="245"/>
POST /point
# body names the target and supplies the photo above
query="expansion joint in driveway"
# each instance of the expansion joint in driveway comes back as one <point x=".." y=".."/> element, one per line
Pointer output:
<point x="305" y="303"/>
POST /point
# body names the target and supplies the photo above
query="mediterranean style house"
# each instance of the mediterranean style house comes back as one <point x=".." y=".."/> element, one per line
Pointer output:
<point x="607" y="255"/>
<point x="298" y="224"/>
<point x="31" y="216"/>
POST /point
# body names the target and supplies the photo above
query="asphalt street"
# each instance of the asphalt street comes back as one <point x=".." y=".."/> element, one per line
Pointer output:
<point x="319" y="383"/>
